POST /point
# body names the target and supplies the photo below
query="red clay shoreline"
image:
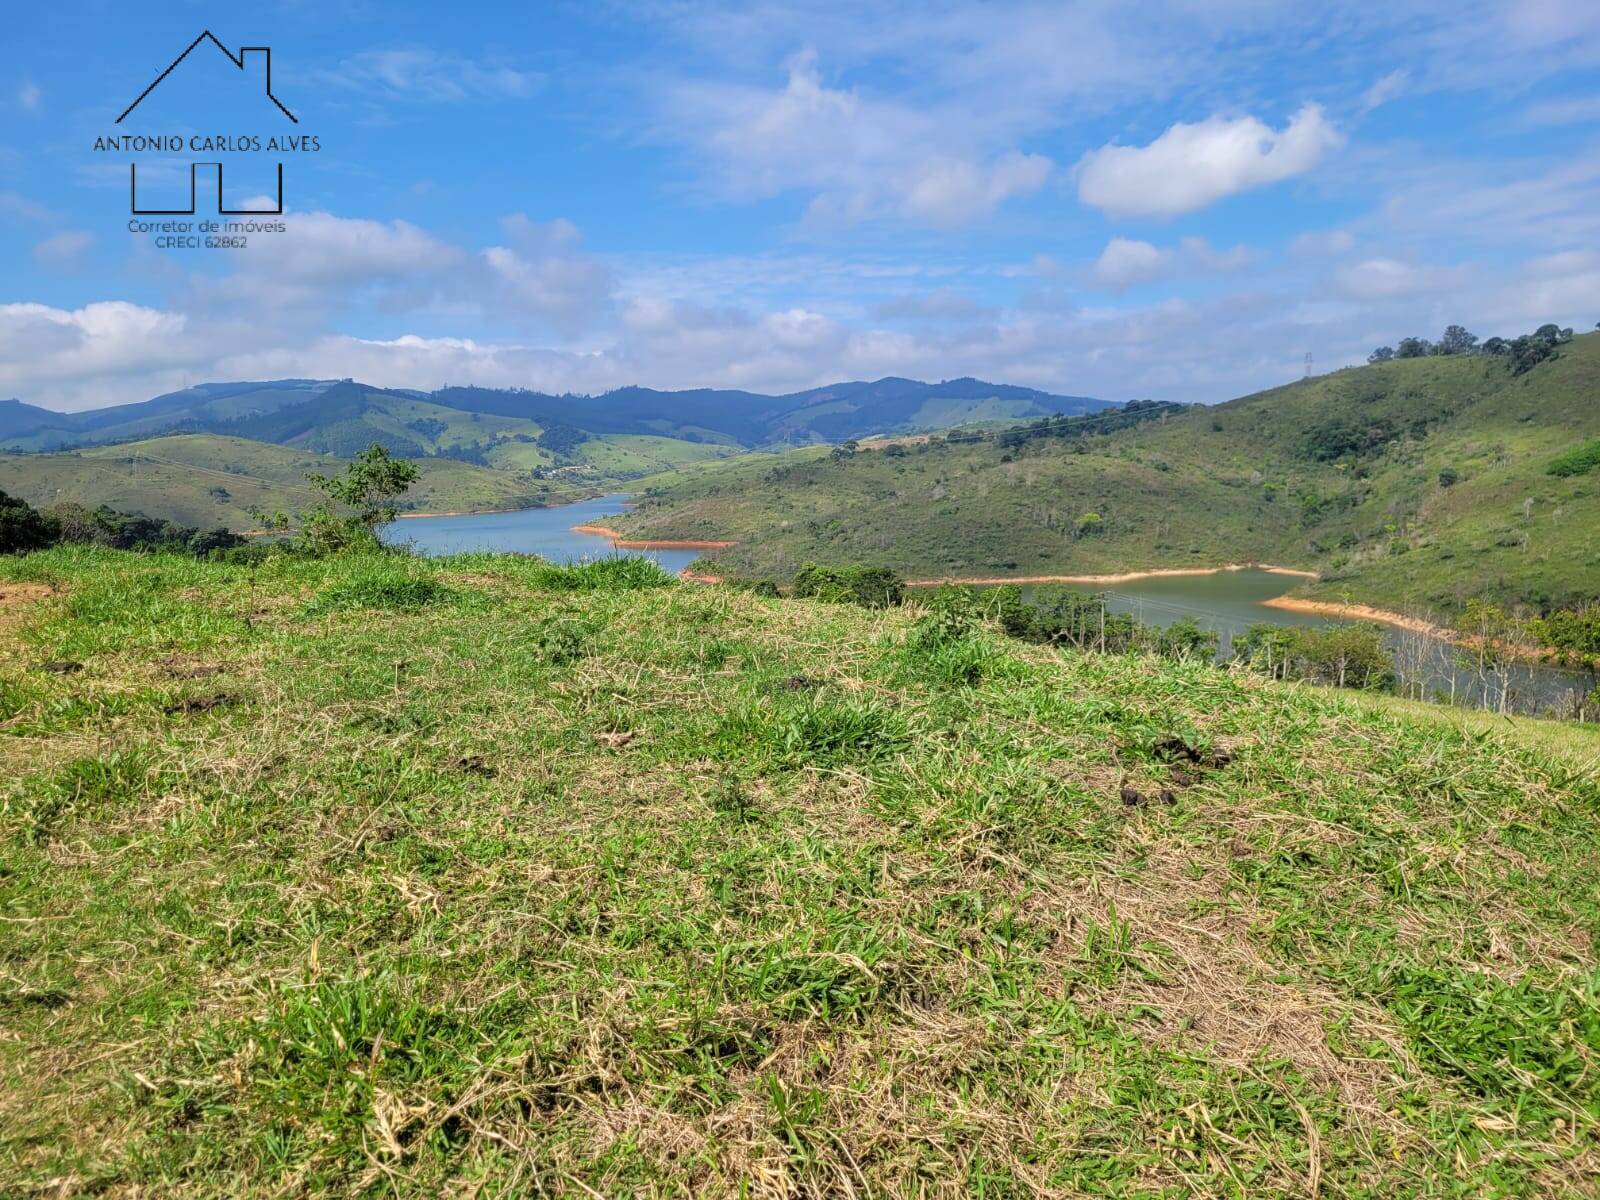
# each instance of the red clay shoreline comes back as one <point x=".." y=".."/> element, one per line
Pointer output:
<point x="1120" y="577"/>
<point x="623" y="542"/>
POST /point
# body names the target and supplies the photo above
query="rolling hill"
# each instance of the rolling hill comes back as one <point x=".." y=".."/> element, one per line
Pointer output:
<point x="206" y="480"/>
<point x="1415" y="482"/>
<point x="342" y="416"/>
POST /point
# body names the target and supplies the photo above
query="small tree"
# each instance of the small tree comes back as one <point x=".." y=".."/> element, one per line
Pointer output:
<point x="1526" y="353"/>
<point x="1456" y="340"/>
<point x="369" y="486"/>
<point x="1381" y="354"/>
<point x="23" y="527"/>
<point x="1413" y="347"/>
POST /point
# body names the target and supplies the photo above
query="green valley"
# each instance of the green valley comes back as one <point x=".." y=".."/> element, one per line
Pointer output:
<point x="1415" y="482"/>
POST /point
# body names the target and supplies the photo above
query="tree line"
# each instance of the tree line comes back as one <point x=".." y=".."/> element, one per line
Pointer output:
<point x="1521" y="353"/>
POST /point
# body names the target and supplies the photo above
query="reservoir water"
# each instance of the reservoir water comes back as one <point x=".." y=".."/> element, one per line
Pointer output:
<point x="1229" y="602"/>
<point x="546" y="532"/>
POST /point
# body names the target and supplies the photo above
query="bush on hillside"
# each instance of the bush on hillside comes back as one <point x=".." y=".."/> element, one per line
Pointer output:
<point x="23" y="527"/>
<point x="1580" y="460"/>
<point x="104" y="526"/>
<point x="857" y="583"/>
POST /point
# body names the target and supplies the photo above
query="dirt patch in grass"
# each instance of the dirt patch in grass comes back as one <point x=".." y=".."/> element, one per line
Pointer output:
<point x="16" y="599"/>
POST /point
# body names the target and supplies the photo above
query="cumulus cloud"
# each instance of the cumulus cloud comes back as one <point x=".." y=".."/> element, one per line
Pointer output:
<point x="68" y="356"/>
<point x="1191" y="166"/>
<point x="1126" y="262"/>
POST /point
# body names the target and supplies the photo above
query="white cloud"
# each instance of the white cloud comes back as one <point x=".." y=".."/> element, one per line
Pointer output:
<point x="940" y="304"/>
<point x="63" y="251"/>
<point x="1570" y="110"/>
<point x="1385" y="90"/>
<point x="545" y="274"/>
<point x="1323" y="242"/>
<point x="432" y="76"/>
<point x="861" y="158"/>
<point x="29" y="96"/>
<point x="1384" y="278"/>
<point x="318" y="248"/>
<point x="1125" y="262"/>
<point x="90" y="356"/>
<point x="1191" y="166"/>
<point x="14" y="204"/>
<point x="952" y="191"/>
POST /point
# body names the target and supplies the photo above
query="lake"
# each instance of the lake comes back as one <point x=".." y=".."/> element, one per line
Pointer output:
<point x="546" y="532"/>
<point x="1229" y="602"/>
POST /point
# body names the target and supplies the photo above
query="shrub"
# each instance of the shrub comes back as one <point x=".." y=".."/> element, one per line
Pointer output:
<point x="617" y="574"/>
<point x="556" y="643"/>
<point x="23" y="527"/>
<point x="369" y="486"/>
<point x="1580" y="460"/>
<point x="858" y="583"/>
<point x="1184" y="639"/>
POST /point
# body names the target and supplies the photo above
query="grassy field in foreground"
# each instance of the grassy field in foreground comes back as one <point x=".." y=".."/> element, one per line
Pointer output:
<point x="479" y="876"/>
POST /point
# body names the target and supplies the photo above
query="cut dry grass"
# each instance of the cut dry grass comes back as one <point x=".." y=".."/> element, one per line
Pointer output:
<point x="493" y="879"/>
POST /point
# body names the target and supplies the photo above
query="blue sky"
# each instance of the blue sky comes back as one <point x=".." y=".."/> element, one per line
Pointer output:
<point x="1176" y="202"/>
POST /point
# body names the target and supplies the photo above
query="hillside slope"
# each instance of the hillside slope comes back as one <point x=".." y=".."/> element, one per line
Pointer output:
<point x="477" y="875"/>
<point x="206" y="481"/>
<point x="1412" y="482"/>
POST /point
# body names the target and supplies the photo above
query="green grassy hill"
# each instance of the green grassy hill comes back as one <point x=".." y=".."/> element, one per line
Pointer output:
<point x="401" y="877"/>
<point x="206" y="481"/>
<point x="1413" y="482"/>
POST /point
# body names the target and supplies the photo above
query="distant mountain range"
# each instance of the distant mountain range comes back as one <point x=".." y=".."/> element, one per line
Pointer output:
<point x="342" y="416"/>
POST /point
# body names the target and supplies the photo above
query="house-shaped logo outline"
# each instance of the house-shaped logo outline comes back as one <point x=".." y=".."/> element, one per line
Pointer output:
<point x="236" y="59"/>
<point x="133" y="168"/>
